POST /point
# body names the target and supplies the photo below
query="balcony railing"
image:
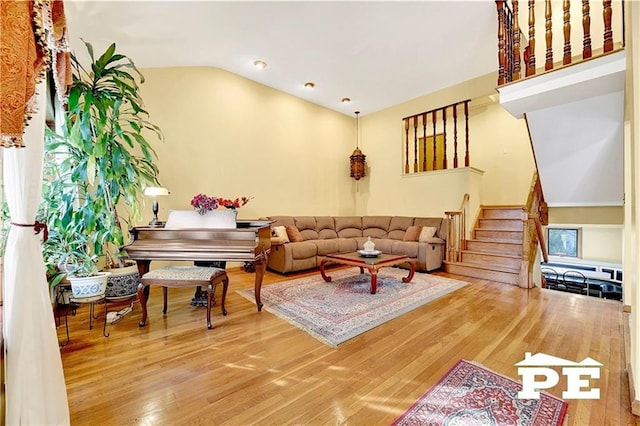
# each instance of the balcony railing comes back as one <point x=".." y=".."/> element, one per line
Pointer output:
<point x="517" y="49"/>
<point x="428" y="137"/>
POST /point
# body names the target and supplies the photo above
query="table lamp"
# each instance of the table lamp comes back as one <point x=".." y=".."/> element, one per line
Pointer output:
<point x="155" y="192"/>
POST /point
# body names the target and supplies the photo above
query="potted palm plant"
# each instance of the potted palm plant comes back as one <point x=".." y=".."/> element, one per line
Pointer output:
<point x="101" y="160"/>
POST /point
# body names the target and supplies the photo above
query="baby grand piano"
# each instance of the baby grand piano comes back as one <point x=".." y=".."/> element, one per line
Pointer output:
<point x="249" y="242"/>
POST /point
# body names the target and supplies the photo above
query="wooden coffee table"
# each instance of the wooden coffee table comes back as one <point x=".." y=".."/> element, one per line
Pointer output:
<point x="372" y="264"/>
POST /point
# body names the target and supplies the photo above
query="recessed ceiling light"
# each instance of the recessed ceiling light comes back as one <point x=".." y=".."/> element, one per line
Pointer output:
<point x="309" y="85"/>
<point x="345" y="100"/>
<point x="260" y="64"/>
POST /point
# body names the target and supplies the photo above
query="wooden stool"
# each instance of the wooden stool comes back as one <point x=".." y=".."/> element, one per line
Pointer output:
<point x="183" y="276"/>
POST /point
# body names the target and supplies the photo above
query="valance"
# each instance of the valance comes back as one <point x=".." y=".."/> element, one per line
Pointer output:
<point x="33" y="36"/>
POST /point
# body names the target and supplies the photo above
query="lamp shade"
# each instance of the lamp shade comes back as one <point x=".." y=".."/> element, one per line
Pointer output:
<point x="155" y="191"/>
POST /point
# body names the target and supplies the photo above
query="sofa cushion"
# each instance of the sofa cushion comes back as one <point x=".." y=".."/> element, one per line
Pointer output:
<point x="346" y="244"/>
<point x="435" y="222"/>
<point x="426" y="233"/>
<point x="382" y="244"/>
<point x="326" y="246"/>
<point x="375" y="226"/>
<point x="412" y="233"/>
<point x="348" y="226"/>
<point x="307" y="227"/>
<point x="409" y="248"/>
<point x="398" y="227"/>
<point x="280" y="232"/>
<point x="293" y="234"/>
<point x="303" y="250"/>
<point x="325" y="227"/>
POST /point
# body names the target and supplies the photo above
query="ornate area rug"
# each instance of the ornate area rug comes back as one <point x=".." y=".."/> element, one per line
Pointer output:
<point x="336" y="311"/>
<point x="470" y="395"/>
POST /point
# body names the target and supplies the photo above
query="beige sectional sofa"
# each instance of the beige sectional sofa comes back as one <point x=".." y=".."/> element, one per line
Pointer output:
<point x="316" y="236"/>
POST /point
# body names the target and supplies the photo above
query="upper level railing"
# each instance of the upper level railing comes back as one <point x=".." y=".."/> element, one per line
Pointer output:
<point x="517" y="48"/>
<point x="428" y="137"/>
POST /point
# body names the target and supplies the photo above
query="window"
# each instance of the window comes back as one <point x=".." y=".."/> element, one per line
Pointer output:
<point x="564" y="242"/>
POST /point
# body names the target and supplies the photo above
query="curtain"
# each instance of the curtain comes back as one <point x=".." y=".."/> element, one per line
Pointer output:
<point x="33" y="40"/>
<point x="35" y="386"/>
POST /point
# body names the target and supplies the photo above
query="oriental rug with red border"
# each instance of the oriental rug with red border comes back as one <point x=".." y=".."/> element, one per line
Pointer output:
<point x="470" y="395"/>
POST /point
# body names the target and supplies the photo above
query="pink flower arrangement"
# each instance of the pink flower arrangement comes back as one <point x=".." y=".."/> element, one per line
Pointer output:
<point x="203" y="203"/>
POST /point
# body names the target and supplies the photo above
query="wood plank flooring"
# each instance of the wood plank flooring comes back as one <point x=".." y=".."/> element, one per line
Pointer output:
<point x="254" y="368"/>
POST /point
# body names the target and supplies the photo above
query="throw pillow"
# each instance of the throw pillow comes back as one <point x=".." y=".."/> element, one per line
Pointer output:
<point x="426" y="233"/>
<point x="294" y="234"/>
<point x="281" y="233"/>
<point x="412" y="233"/>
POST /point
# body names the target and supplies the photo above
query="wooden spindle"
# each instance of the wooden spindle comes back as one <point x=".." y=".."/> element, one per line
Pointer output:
<point x="516" y="43"/>
<point x="406" y="149"/>
<point x="444" y="138"/>
<point x="502" y="56"/>
<point x="531" y="64"/>
<point x="455" y="136"/>
<point x="424" y="142"/>
<point x="586" y="30"/>
<point x="566" y="9"/>
<point x="548" y="34"/>
<point x="415" y="144"/>
<point x="466" y="133"/>
<point x="608" y="33"/>
<point x="433" y="118"/>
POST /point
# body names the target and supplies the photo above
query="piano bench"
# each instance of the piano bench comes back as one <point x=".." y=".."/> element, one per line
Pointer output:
<point x="184" y="276"/>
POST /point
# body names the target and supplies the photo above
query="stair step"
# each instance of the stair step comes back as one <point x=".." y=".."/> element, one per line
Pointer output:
<point x="499" y="247"/>
<point x="504" y="212"/>
<point x="481" y="271"/>
<point x="501" y="223"/>
<point x="496" y="259"/>
<point x="497" y="235"/>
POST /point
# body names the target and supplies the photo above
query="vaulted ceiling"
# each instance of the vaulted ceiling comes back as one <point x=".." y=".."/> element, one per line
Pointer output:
<point x="378" y="54"/>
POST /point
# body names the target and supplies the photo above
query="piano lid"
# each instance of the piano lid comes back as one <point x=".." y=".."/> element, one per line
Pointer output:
<point x="249" y="241"/>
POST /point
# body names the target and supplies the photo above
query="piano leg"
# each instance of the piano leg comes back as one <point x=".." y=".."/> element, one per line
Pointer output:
<point x="143" y="291"/>
<point x="261" y="267"/>
<point x="210" y="291"/>
<point x="143" y="296"/>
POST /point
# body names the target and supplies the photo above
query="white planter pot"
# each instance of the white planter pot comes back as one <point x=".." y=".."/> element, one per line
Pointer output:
<point x="92" y="286"/>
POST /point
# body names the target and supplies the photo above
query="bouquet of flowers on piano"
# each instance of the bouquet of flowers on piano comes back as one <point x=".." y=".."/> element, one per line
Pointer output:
<point x="203" y="203"/>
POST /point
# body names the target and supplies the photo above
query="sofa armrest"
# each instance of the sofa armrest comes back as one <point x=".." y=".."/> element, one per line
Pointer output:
<point x="278" y="241"/>
<point x="433" y="240"/>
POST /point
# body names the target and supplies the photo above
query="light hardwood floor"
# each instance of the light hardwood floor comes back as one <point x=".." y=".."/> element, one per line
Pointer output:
<point x="254" y="368"/>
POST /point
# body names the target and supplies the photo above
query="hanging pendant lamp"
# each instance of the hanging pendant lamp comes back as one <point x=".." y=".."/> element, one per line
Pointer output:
<point x="357" y="158"/>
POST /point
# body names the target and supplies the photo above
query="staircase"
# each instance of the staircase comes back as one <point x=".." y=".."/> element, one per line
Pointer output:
<point x="495" y="250"/>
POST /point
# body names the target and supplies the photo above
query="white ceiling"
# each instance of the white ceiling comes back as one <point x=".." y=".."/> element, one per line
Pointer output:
<point x="377" y="53"/>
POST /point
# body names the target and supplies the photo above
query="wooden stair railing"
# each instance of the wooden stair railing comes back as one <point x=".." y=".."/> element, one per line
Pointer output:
<point x="536" y="216"/>
<point x="426" y="136"/>
<point x="509" y="37"/>
<point x="456" y="235"/>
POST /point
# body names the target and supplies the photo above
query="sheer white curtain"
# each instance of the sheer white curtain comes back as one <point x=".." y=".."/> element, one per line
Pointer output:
<point x="35" y="386"/>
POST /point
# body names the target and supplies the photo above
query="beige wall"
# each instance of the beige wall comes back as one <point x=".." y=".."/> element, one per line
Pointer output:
<point x="499" y="146"/>
<point x="613" y="215"/>
<point x="602" y="230"/>
<point x="230" y="137"/>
